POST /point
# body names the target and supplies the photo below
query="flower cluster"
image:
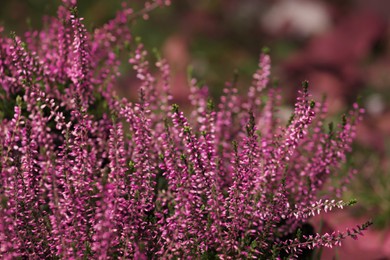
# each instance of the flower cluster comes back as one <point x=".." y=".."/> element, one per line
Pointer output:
<point x="86" y="174"/>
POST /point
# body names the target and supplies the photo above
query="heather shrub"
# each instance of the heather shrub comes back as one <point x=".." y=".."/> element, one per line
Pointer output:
<point x="87" y="174"/>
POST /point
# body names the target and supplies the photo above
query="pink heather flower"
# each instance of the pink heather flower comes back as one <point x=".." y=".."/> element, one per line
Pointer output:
<point x="85" y="174"/>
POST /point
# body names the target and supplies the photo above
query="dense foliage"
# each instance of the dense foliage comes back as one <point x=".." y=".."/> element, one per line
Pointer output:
<point x="86" y="174"/>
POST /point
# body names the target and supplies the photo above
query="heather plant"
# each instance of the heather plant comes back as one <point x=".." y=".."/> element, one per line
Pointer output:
<point x="87" y="174"/>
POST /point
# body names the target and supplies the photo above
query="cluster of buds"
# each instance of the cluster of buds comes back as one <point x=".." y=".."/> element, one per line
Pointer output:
<point x="86" y="174"/>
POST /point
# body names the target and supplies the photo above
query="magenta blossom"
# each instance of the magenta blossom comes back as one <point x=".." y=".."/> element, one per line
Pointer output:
<point x="85" y="174"/>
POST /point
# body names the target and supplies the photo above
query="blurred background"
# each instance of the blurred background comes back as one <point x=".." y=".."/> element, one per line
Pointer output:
<point x="341" y="46"/>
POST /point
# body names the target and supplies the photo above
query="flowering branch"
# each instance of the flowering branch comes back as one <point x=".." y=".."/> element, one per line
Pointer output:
<point x="85" y="174"/>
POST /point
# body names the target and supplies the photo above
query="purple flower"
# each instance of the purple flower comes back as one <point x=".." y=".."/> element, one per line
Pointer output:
<point x="85" y="174"/>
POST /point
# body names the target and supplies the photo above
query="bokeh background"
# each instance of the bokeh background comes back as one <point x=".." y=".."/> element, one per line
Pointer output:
<point x="341" y="46"/>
